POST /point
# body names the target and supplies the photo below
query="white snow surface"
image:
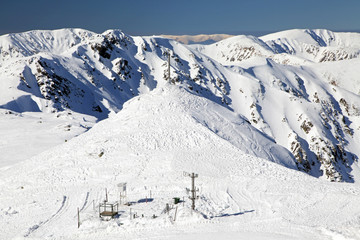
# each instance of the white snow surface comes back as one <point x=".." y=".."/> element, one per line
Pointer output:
<point x="149" y="144"/>
<point x="30" y="133"/>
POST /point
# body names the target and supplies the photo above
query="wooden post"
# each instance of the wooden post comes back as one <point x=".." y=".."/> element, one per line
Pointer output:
<point x="175" y="213"/>
<point x="106" y="195"/>
<point x="78" y="214"/>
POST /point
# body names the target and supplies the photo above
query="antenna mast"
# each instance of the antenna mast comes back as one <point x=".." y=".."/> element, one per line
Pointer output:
<point x="193" y="189"/>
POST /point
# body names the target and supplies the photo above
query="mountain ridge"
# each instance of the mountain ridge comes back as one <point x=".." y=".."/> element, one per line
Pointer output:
<point x="95" y="74"/>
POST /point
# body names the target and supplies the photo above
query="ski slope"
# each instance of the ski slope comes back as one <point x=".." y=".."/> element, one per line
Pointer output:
<point x="149" y="144"/>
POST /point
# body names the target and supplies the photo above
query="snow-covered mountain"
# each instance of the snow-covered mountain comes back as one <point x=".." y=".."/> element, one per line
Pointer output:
<point x="298" y="88"/>
<point x="313" y="87"/>
<point x="265" y="122"/>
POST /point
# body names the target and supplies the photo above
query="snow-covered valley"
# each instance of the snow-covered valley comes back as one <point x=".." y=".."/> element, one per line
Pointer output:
<point x="270" y="124"/>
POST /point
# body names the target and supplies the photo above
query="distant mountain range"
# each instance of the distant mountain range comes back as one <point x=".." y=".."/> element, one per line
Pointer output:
<point x="198" y="39"/>
<point x="294" y="95"/>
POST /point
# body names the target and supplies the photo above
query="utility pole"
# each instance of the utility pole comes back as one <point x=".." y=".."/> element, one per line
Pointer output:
<point x="193" y="189"/>
<point x="169" y="66"/>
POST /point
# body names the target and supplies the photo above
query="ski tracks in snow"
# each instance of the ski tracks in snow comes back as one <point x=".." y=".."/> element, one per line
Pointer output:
<point x="62" y="208"/>
<point x="66" y="212"/>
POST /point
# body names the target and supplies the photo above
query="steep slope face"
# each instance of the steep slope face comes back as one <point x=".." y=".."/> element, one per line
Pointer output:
<point x="291" y="97"/>
<point x="316" y="121"/>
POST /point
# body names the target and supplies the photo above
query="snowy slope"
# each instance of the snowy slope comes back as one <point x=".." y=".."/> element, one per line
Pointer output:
<point x="236" y="49"/>
<point x="317" y="45"/>
<point x="297" y="99"/>
<point x="27" y="134"/>
<point x="149" y="144"/>
<point x="307" y="102"/>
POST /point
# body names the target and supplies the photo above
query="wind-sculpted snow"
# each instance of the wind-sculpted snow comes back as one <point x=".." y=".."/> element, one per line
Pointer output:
<point x="294" y="90"/>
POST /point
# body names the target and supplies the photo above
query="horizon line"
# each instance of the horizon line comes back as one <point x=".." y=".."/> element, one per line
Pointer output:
<point x="255" y="33"/>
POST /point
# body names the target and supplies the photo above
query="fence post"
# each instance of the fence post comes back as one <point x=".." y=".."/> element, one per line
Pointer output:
<point x="78" y="215"/>
<point x="175" y="213"/>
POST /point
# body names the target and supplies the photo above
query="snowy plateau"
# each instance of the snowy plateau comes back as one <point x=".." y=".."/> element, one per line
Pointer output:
<point x="270" y="125"/>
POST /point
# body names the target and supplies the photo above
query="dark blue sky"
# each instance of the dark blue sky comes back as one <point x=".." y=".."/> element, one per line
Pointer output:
<point x="146" y="17"/>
